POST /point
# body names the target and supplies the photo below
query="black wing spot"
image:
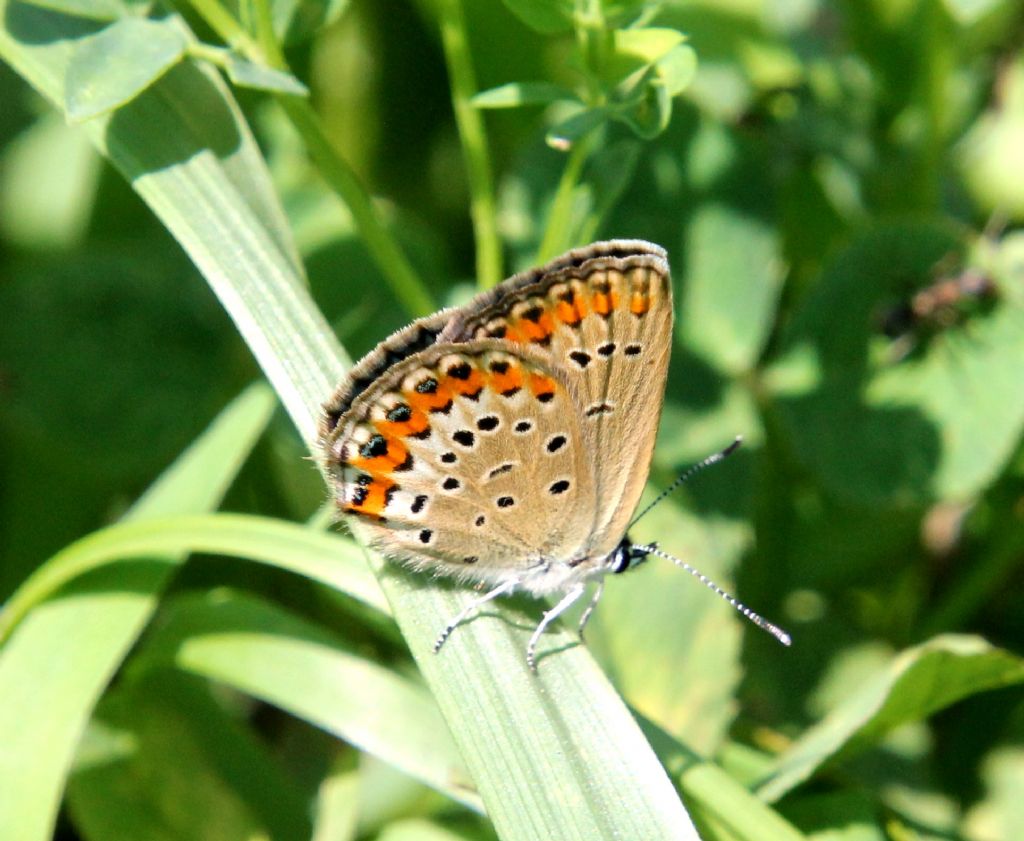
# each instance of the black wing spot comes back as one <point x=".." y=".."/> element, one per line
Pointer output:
<point x="505" y="502"/>
<point x="460" y="371"/>
<point x="464" y="437"/>
<point x="426" y="535"/>
<point x="418" y="503"/>
<point x="360" y="494"/>
<point x="471" y="559"/>
<point x="546" y="396"/>
<point x="559" y="487"/>
<point x="444" y="410"/>
<point x="488" y="423"/>
<point x="607" y="349"/>
<point x="376" y="446"/>
<point x="451" y="484"/>
<point x="405" y="465"/>
<point x="555" y="443"/>
<point x="479" y="521"/>
<point x="633" y="350"/>
<point x="427" y="386"/>
<point x="533" y="313"/>
<point x="399" y="413"/>
<point x="523" y="426"/>
<point x="499" y="366"/>
<point x="497" y="471"/>
<point x="600" y="408"/>
<point x="449" y="458"/>
<point x="580" y="358"/>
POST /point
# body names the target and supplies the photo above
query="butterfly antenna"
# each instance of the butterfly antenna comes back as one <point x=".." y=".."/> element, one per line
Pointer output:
<point x="689" y="473"/>
<point x="756" y="618"/>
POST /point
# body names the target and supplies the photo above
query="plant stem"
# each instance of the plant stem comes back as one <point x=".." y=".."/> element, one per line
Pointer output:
<point x="557" y="233"/>
<point x="404" y="281"/>
<point x="228" y="28"/>
<point x="473" y="136"/>
<point x="406" y="284"/>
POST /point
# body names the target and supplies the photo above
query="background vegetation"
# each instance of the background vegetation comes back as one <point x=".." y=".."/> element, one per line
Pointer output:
<point x="812" y="168"/>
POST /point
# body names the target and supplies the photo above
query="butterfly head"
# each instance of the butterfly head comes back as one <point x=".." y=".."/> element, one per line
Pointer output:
<point x="626" y="556"/>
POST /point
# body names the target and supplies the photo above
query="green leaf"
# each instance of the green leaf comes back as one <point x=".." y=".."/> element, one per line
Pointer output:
<point x="572" y="129"/>
<point x="48" y="180"/>
<point x="162" y="759"/>
<point x="999" y="813"/>
<point x="647" y="115"/>
<point x="919" y="682"/>
<point x="91" y="9"/>
<point x="278" y="658"/>
<point x="115" y="66"/>
<point x="677" y="69"/>
<point x="990" y="155"/>
<point x="83" y="636"/>
<point x="733" y="277"/>
<point x="693" y="697"/>
<point x="247" y="74"/>
<point x="549" y="17"/>
<point x="643" y="97"/>
<point x="518" y="94"/>
<point x="339" y="803"/>
<point x="883" y="421"/>
<point x="645" y="45"/>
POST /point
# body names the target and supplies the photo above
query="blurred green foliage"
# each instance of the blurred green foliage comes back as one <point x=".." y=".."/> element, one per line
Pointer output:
<point x="839" y="188"/>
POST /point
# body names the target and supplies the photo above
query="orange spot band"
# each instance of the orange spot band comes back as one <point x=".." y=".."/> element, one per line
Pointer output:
<point x="540" y="385"/>
<point x="383" y="464"/>
<point x="604" y="302"/>
<point x="437" y="399"/>
<point x="370" y="499"/>
<point x="471" y="385"/>
<point x="510" y="380"/>
<point x="567" y="313"/>
<point x="390" y="429"/>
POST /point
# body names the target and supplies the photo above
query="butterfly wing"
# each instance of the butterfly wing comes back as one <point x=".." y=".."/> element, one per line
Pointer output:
<point x="601" y="316"/>
<point x="467" y="459"/>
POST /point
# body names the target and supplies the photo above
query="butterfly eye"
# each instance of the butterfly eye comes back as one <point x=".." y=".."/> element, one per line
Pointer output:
<point x="620" y="558"/>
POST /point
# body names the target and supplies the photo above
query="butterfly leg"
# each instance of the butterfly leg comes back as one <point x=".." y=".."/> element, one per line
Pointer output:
<point x="590" y="607"/>
<point x="549" y="617"/>
<point x="472" y="607"/>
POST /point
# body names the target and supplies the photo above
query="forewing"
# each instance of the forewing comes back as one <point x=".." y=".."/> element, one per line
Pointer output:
<point x="603" y="316"/>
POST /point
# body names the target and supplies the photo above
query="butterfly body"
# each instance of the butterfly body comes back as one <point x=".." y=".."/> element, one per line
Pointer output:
<point x="507" y="442"/>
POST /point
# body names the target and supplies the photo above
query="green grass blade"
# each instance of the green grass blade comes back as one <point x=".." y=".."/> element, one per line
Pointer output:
<point x="335" y="561"/>
<point x="269" y="654"/>
<point x="715" y="797"/>
<point x="73" y="646"/>
<point x="165" y="758"/>
<point x="918" y="683"/>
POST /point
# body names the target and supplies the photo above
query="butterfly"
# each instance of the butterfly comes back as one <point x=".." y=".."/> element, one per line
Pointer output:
<point x="506" y="442"/>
